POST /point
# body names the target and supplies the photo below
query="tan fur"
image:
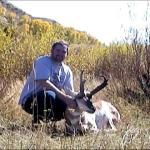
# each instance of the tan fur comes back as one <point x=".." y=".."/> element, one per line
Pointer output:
<point x="97" y="104"/>
<point x="105" y="115"/>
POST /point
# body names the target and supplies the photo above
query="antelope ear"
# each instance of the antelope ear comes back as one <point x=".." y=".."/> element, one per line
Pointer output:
<point x="89" y="95"/>
<point x="79" y="96"/>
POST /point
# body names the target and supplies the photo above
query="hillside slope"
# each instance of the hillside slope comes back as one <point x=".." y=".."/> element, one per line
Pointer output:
<point x="20" y="12"/>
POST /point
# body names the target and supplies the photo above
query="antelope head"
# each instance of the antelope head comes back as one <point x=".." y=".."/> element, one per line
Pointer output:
<point x="84" y="100"/>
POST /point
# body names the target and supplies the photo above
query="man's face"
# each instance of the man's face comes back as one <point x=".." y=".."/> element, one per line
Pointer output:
<point x="59" y="53"/>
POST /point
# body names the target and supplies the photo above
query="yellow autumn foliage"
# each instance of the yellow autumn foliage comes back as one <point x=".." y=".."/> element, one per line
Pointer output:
<point x="2" y="11"/>
<point x="39" y="26"/>
<point x="31" y="38"/>
<point x="25" y="19"/>
<point x="11" y="15"/>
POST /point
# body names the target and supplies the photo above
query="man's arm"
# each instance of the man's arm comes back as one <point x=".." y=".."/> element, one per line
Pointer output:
<point x="47" y="85"/>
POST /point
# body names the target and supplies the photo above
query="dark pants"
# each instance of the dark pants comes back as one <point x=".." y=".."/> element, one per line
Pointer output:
<point x="44" y="107"/>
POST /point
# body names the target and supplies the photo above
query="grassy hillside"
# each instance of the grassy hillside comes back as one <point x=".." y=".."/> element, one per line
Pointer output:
<point x="16" y="133"/>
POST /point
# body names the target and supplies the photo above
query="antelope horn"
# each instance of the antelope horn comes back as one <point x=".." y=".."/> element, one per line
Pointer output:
<point x="98" y="88"/>
<point x="82" y="82"/>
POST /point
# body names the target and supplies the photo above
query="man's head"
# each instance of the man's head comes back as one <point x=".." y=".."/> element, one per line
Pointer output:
<point x="59" y="51"/>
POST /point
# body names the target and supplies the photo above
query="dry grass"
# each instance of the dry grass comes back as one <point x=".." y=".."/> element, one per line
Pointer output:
<point x="16" y="133"/>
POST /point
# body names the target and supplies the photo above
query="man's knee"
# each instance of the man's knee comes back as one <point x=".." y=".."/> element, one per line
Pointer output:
<point x="39" y="102"/>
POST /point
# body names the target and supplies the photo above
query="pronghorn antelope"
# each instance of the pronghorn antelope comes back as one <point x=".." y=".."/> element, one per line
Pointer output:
<point x="106" y="115"/>
<point x="84" y="104"/>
